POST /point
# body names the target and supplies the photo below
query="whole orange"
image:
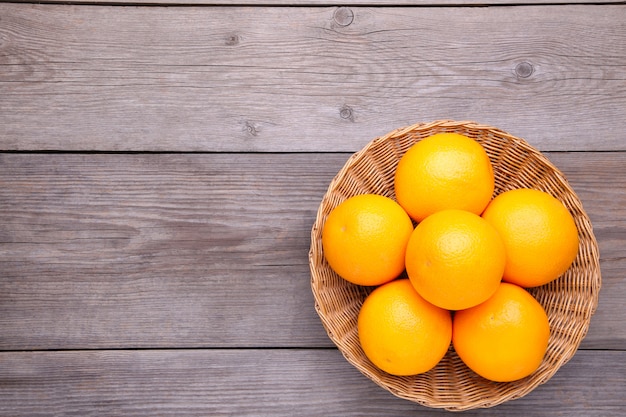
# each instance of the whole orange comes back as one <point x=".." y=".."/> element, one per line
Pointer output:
<point x="400" y="332"/>
<point x="455" y="259"/>
<point x="505" y="338"/>
<point x="444" y="171"/>
<point x="539" y="234"/>
<point x="364" y="239"/>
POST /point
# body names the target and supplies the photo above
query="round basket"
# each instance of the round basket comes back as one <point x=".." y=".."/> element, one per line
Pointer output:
<point x="570" y="300"/>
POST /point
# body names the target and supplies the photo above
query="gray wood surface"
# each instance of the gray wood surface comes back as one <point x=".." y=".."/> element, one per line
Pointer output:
<point x="322" y="3"/>
<point x="161" y="168"/>
<point x="276" y="383"/>
<point x="296" y="79"/>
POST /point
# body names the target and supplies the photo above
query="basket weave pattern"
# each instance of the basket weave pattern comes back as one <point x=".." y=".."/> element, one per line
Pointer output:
<point x="570" y="301"/>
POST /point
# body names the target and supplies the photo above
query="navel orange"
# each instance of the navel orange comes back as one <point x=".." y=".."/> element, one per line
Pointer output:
<point x="400" y="332"/>
<point x="455" y="259"/>
<point x="444" y="171"/>
<point x="539" y="234"/>
<point x="505" y="338"/>
<point x="364" y="239"/>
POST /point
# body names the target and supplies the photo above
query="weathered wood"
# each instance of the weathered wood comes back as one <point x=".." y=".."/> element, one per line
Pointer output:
<point x="587" y="179"/>
<point x="299" y="79"/>
<point x="265" y="383"/>
<point x="162" y="250"/>
<point x="420" y="3"/>
<point x="177" y="284"/>
<point x="205" y="250"/>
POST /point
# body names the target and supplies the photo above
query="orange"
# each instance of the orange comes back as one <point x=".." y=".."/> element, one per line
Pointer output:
<point x="455" y="259"/>
<point x="364" y="239"/>
<point x="505" y="338"/>
<point x="444" y="171"/>
<point x="400" y="332"/>
<point x="539" y="234"/>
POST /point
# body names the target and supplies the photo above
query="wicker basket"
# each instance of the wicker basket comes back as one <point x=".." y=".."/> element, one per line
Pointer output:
<point x="570" y="301"/>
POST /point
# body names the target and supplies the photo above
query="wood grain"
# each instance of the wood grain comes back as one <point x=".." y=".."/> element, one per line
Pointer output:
<point x="206" y="250"/>
<point x="172" y="279"/>
<point x="421" y="3"/>
<point x="261" y="383"/>
<point x="284" y="79"/>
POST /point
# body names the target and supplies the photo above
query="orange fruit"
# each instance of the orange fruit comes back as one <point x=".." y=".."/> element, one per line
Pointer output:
<point x="539" y="234"/>
<point x="400" y="332"/>
<point x="505" y="338"/>
<point x="364" y="239"/>
<point x="455" y="259"/>
<point x="444" y="171"/>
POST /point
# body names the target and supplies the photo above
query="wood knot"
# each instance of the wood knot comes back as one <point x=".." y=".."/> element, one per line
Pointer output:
<point x="343" y="16"/>
<point x="346" y="113"/>
<point x="251" y="128"/>
<point x="233" y="39"/>
<point x="524" y="69"/>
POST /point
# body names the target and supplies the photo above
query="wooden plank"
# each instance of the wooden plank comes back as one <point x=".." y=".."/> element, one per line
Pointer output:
<point x="205" y="250"/>
<point x="265" y="383"/>
<point x="161" y="250"/>
<point x="610" y="229"/>
<point x="321" y="3"/>
<point x="301" y="79"/>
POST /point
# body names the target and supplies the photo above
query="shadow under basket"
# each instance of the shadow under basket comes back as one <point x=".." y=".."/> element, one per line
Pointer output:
<point x="569" y="301"/>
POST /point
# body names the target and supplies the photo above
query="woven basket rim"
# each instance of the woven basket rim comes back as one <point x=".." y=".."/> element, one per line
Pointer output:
<point x="339" y="327"/>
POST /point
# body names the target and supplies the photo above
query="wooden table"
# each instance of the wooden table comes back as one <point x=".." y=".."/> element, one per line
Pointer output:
<point x="161" y="168"/>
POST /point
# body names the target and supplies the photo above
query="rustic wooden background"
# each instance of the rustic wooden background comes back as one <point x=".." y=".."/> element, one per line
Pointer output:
<point x="161" y="167"/>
